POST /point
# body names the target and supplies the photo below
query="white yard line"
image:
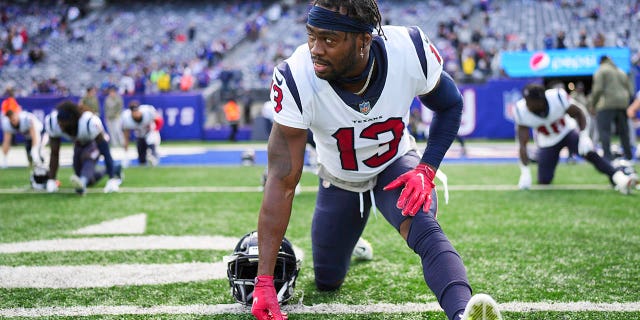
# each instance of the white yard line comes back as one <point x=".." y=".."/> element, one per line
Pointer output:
<point x="101" y="276"/>
<point x="249" y="189"/>
<point x="91" y="276"/>
<point x="315" y="309"/>
<point x="135" y="224"/>
<point x="123" y="243"/>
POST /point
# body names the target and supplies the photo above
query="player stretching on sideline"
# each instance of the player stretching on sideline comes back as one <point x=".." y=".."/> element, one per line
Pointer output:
<point x="146" y="123"/>
<point x="547" y="112"/>
<point x="353" y="89"/>
<point x="84" y="128"/>
<point x="28" y="125"/>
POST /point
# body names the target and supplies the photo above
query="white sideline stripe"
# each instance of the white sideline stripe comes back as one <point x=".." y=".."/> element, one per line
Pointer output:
<point x="95" y="276"/>
<point x="315" y="309"/>
<point x="123" y="243"/>
<point x="246" y="189"/>
<point x="135" y="224"/>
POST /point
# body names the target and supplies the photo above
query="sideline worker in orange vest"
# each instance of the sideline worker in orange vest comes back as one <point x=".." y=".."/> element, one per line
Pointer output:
<point x="232" y="113"/>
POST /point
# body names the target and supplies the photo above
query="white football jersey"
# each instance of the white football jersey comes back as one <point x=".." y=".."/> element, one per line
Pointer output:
<point x="26" y="120"/>
<point x="556" y="125"/>
<point x="51" y="126"/>
<point x="145" y="125"/>
<point x="89" y="127"/>
<point x="358" y="137"/>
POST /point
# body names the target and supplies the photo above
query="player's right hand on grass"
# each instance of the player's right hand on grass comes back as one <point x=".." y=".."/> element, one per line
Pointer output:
<point x="125" y="162"/>
<point x="265" y="302"/>
<point x="525" y="178"/>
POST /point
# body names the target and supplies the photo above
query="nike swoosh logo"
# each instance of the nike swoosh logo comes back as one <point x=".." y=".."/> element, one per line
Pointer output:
<point x="278" y="80"/>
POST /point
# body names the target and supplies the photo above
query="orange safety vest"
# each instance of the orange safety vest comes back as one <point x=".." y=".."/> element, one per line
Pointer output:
<point x="232" y="111"/>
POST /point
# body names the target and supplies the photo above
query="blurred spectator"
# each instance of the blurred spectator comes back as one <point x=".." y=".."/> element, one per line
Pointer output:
<point x="191" y="32"/>
<point x="560" y="38"/>
<point x="113" y="105"/>
<point x="582" y="39"/>
<point x="599" y="40"/>
<point x="612" y="90"/>
<point x="127" y="85"/>
<point x="90" y="100"/>
<point x="548" y="41"/>
<point x="186" y="81"/>
<point x="164" y="82"/>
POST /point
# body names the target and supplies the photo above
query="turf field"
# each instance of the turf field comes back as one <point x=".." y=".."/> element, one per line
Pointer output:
<point x="571" y="251"/>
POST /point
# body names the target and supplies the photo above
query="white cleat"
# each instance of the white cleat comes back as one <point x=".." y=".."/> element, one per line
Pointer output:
<point x="79" y="183"/>
<point x="363" y="250"/>
<point x="624" y="183"/>
<point x="481" y="307"/>
<point x="113" y="185"/>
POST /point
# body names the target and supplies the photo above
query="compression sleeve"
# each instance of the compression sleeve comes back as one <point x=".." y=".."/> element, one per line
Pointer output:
<point x="54" y="157"/>
<point x="446" y="102"/>
<point x="103" y="146"/>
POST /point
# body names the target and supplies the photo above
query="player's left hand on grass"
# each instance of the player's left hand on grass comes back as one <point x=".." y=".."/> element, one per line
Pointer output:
<point x="125" y="162"/>
<point x="585" y="145"/>
<point x="52" y="185"/>
<point x="265" y="301"/>
<point x="416" y="193"/>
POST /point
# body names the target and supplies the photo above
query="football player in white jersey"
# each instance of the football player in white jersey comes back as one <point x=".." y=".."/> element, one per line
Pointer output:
<point x="28" y="125"/>
<point x="146" y="122"/>
<point x="547" y="112"/>
<point x="353" y="89"/>
<point x="85" y="130"/>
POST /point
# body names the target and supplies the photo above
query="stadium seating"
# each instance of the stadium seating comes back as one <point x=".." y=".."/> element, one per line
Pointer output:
<point x="108" y="41"/>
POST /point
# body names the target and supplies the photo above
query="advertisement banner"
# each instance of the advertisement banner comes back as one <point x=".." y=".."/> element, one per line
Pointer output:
<point x="561" y="63"/>
<point x="183" y="114"/>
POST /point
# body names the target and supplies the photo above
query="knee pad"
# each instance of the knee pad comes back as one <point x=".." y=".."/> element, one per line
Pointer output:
<point x="328" y="277"/>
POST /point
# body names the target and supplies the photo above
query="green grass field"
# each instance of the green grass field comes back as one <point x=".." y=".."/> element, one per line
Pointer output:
<point x="575" y="242"/>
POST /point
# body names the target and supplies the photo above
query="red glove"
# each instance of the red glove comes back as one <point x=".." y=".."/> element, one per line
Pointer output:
<point x="418" y="184"/>
<point x="265" y="302"/>
<point x="159" y="122"/>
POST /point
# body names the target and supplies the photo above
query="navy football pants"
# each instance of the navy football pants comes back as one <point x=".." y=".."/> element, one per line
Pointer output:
<point x="85" y="159"/>
<point x="338" y="223"/>
<point x="548" y="158"/>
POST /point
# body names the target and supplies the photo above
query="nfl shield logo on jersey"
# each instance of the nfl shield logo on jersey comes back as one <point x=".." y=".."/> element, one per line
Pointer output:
<point x="365" y="107"/>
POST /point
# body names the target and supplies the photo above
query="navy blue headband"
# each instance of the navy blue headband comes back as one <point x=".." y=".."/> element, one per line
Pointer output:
<point x="330" y="20"/>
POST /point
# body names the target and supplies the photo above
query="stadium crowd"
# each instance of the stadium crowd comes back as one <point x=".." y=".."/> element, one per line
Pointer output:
<point x="144" y="47"/>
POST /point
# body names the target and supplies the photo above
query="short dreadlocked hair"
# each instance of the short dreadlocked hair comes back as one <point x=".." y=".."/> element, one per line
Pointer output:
<point x="364" y="11"/>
